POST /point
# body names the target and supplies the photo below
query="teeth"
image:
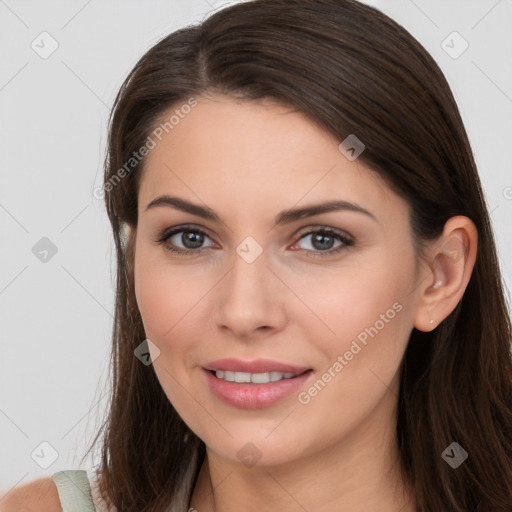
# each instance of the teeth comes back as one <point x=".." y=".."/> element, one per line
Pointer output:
<point x="254" y="378"/>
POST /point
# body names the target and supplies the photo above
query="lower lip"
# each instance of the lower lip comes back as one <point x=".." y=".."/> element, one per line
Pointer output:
<point x="254" y="396"/>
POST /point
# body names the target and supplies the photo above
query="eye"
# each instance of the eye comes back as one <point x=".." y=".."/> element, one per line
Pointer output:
<point x="321" y="241"/>
<point x="191" y="239"/>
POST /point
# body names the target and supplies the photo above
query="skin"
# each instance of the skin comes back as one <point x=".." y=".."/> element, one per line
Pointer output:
<point x="248" y="161"/>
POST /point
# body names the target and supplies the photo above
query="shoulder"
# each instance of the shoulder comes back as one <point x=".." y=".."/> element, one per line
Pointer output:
<point x="41" y="495"/>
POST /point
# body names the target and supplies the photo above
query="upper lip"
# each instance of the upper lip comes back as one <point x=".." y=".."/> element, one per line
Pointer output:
<point x="256" y="366"/>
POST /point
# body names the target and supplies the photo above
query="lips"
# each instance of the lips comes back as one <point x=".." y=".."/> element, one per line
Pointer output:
<point x="254" y="396"/>
<point x="256" y="366"/>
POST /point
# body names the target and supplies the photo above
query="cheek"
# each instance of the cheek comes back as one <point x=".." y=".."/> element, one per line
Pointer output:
<point x="164" y="298"/>
<point x="164" y="294"/>
<point x="173" y="302"/>
<point x="155" y="299"/>
<point x="347" y="302"/>
<point x="370" y="316"/>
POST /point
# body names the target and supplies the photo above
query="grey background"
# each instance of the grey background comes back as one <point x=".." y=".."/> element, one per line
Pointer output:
<point x="56" y="316"/>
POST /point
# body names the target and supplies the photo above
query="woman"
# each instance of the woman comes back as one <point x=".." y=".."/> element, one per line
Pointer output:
<point x="305" y="257"/>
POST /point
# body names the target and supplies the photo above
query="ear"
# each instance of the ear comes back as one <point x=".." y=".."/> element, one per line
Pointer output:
<point x="128" y="236"/>
<point x="127" y="231"/>
<point x="451" y="259"/>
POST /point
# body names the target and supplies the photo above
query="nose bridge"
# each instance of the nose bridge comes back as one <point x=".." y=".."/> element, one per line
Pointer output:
<point x="249" y="297"/>
<point x="249" y="272"/>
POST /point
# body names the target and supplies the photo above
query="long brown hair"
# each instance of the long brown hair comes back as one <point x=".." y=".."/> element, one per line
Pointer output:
<point x="353" y="70"/>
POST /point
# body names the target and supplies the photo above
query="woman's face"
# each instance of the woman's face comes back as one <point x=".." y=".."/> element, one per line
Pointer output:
<point x="339" y="303"/>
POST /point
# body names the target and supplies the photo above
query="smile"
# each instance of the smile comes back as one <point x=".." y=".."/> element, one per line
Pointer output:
<point x="255" y="378"/>
<point x="254" y="390"/>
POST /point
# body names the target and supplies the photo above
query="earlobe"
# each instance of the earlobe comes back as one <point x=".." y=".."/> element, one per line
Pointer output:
<point x="127" y="233"/>
<point x="452" y="258"/>
<point x="126" y="230"/>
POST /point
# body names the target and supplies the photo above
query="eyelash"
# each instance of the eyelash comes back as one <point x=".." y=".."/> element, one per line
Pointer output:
<point x="347" y="241"/>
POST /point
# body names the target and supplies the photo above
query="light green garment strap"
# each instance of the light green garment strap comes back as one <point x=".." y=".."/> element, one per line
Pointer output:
<point x="74" y="491"/>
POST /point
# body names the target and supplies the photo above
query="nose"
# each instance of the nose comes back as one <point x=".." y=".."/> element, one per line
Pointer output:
<point x="250" y="299"/>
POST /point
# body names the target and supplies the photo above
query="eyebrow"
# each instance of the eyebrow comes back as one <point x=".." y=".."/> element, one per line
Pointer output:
<point x="284" y="217"/>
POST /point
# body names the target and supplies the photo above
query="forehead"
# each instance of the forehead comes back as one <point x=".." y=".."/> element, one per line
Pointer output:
<point x="248" y="154"/>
